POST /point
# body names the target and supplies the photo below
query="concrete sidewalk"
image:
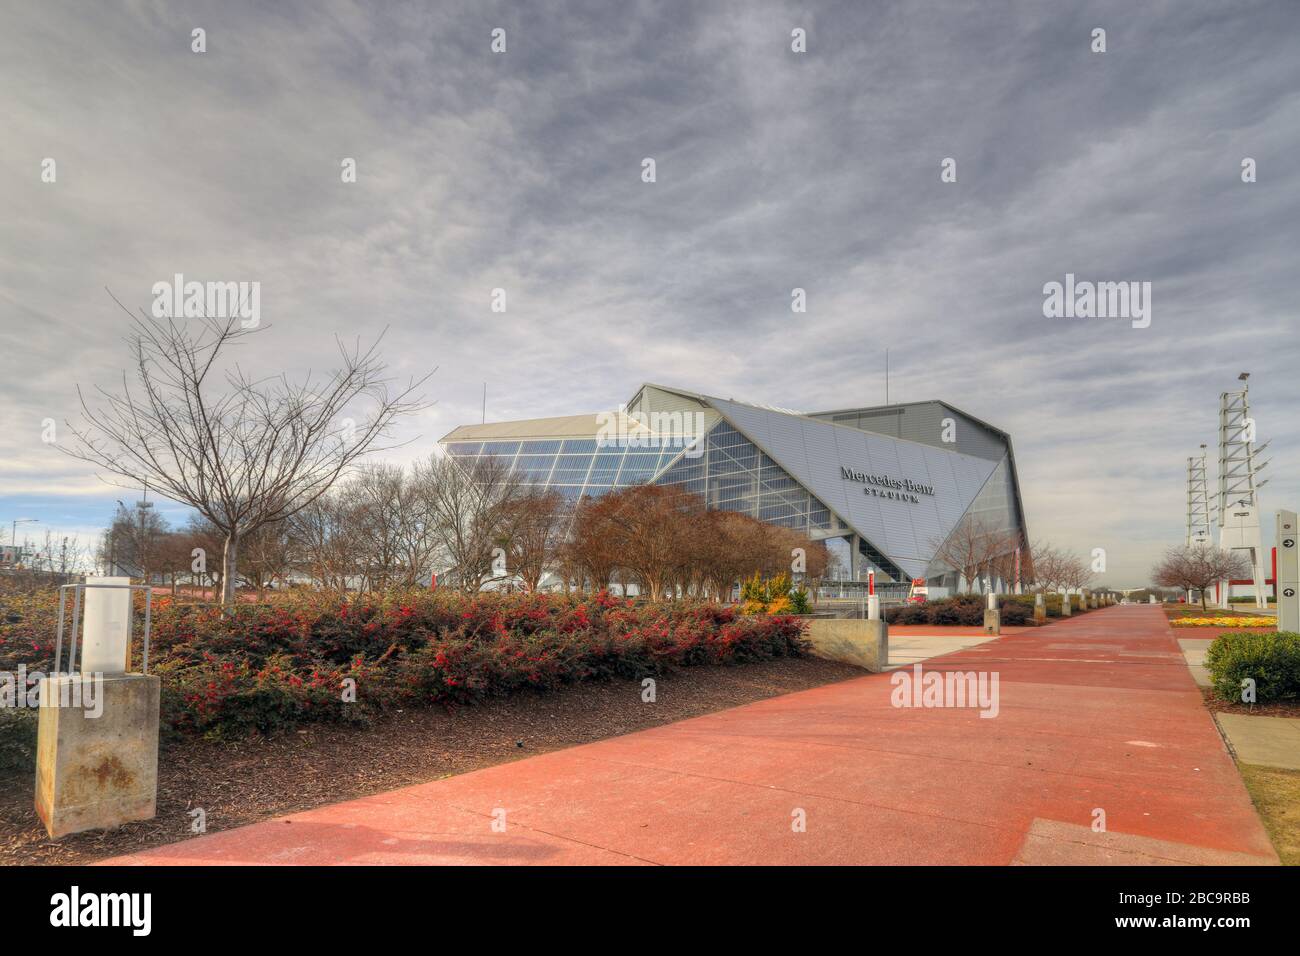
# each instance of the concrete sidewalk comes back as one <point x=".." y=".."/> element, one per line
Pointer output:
<point x="1096" y="713"/>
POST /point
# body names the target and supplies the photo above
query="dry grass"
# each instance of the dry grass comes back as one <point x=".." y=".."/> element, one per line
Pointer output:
<point x="1276" y="794"/>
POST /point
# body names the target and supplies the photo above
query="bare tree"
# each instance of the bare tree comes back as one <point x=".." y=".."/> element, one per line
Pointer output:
<point x="1198" y="568"/>
<point x="1048" y="567"/>
<point x="391" y="528"/>
<point x="322" y="537"/>
<point x="1054" y="569"/>
<point x="265" y="556"/>
<point x="260" y="452"/>
<point x="471" y="504"/>
<point x="537" y="524"/>
<point x="61" y="554"/>
<point x="590" y="556"/>
<point x="135" y="540"/>
<point x="207" y="539"/>
<point x="975" y="546"/>
<point x="1075" y="571"/>
<point x="654" y="523"/>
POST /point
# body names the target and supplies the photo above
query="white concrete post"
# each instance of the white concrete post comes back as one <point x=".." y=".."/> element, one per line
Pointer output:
<point x="992" y="616"/>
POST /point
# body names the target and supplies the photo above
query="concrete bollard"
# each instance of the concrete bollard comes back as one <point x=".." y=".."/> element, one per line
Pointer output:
<point x="992" y="616"/>
<point x="853" y="641"/>
<point x="1151" y="599"/>
<point x="1066" y="609"/>
<point x="1040" y="609"/>
<point x="95" y="771"/>
<point x="97" y="731"/>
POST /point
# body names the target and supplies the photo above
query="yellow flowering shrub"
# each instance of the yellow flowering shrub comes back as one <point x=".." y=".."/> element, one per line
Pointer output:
<point x="1223" y="622"/>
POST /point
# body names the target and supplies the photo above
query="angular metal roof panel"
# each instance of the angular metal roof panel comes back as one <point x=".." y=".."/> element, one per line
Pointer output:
<point x="812" y="451"/>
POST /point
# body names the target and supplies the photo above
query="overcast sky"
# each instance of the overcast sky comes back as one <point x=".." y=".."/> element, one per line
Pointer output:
<point x="523" y="171"/>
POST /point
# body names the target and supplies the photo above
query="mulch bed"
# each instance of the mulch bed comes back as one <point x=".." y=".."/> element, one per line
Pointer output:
<point x="242" y="782"/>
<point x="1285" y="708"/>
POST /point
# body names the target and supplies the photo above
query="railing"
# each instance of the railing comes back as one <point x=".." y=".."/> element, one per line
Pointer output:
<point x="889" y="592"/>
<point x="76" y="621"/>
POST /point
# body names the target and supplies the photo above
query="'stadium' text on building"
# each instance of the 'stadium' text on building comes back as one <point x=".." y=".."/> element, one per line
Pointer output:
<point x="885" y="487"/>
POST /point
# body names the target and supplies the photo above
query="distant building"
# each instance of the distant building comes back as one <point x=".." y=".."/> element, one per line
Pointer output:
<point x="883" y="486"/>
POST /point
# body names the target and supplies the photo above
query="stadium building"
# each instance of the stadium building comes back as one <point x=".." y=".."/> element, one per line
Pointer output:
<point x="883" y="486"/>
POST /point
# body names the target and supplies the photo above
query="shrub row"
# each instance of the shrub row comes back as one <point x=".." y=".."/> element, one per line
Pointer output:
<point x="314" y="657"/>
<point x="1271" y="659"/>
<point x="967" y="610"/>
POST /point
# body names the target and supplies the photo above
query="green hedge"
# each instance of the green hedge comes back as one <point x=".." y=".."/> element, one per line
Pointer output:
<point x="1271" y="659"/>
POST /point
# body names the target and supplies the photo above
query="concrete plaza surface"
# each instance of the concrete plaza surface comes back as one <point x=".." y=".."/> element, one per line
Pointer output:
<point x="1097" y="712"/>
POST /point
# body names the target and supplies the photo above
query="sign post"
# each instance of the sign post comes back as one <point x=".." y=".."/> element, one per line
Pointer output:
<point x="1287" y="575"/>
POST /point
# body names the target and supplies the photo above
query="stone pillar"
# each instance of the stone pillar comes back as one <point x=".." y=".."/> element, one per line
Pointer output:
<point x="1040" y="609"/>
<point x="96" y="759"/>
<point x="1066" y="610"/>
<point x="992" y="616"/>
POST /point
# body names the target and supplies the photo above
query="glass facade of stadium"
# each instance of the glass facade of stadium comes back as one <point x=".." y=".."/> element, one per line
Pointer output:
<point x="883" y="487"/>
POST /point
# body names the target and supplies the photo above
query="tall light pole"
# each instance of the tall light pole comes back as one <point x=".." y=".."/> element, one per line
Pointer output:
<point x="13" y="532"/>
<point x="1199" y="511"/>
<point x="13" y="536"/>
<point x="143" y="504"/>
<point x="1239" y="487"/>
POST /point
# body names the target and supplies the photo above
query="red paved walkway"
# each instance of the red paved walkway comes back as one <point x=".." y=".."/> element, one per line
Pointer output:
<point x="1095" y="712"/>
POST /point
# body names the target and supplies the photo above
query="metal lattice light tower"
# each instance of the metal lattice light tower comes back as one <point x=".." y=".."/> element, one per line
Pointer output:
<point x="1199" y="511"/>
<point x="1239" y="486"/>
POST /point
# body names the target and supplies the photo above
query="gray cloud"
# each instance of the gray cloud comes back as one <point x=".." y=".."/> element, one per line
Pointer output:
<point x="821" y="171"/>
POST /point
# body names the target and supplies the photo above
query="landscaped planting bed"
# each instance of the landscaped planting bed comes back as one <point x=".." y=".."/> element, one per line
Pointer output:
<point x="257" y="668"/>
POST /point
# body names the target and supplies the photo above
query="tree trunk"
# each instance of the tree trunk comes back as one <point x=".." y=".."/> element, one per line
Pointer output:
<point x="228" y="561"/>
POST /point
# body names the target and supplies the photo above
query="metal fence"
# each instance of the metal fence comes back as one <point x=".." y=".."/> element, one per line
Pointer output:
<point x="889" y="592"/>
<point x="78" y="590"/>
